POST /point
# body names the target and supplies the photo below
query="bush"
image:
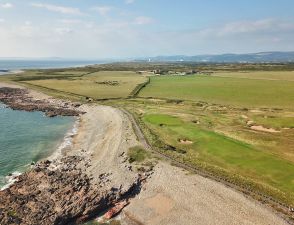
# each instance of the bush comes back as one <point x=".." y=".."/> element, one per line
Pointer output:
<point x="137" y="154"/>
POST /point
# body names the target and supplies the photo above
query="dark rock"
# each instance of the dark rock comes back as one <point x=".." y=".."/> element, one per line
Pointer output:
<point x="58" y="197"/>
<point x="17" y="99"/>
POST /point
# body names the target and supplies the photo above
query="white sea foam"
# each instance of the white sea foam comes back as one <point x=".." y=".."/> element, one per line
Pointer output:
<point x="67" y="141"/>
<point x="10" y="179"/>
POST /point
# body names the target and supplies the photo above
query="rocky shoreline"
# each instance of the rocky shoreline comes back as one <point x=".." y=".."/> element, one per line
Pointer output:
<point x="59" y="192"/>
<point x="19" y="99"/>
<point x="72" y="188"/>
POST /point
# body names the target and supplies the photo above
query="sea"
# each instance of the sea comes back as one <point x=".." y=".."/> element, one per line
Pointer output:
<point x="26" y="137"/>
<point x="7" y="65"/>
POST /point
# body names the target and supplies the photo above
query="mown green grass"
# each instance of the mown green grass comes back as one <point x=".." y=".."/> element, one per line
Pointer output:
<point x="95" y="85"/>
<point x="221" y="90"/>
<point x="233" y="156"/>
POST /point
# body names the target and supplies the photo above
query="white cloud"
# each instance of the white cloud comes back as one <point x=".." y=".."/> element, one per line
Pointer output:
<point x="142" y="20"/>
<point x="28" y="23"/>
<point x="129" y="1"/>
<point x="63" y="30"/>
<point x="233" y="30"/>
<point x="70" y="21"/>
<point x="26" y="30"/>
<point x="59" y="9"/>
<point x="2" y="20"/>
<point x="250" y="27"/>
<point x="102" y="10"/>
<point x="114" y="38"/>
<point x="6" y="5"/>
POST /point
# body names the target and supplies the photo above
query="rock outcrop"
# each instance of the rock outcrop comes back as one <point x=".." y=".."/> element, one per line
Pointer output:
<point x="18" y="99"/>
<point x="59" y="193"/>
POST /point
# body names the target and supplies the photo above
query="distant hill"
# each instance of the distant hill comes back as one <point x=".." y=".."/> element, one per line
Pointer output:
<point x="228" y="58"/>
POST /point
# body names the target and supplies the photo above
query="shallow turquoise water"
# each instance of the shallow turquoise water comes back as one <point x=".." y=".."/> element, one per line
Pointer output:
<point x="27" y="137"/>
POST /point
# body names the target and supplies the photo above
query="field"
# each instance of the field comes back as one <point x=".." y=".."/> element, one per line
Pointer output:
<point x="99" y="85"/>
<point x="223" y="90"/>
<point x="262" y="75"/>
<point x="95" y="85"/>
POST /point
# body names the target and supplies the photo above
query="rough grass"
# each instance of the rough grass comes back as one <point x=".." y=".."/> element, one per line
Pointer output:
<point x="274" y="121"/>
<point x="137" y="154"/>
<point x="231" y="155"/>
<point x="222" y="90"/>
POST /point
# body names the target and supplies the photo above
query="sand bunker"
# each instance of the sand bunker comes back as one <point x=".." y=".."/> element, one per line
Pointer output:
<point x="250" y="122"/>
<point x="261" y="128"/>
<point x="244" y="117"/>
<point x="255" y="111"/>
<point x="185" y="141"/>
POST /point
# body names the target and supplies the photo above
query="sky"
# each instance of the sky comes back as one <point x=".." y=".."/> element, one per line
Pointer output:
<point x="108" y="29"/>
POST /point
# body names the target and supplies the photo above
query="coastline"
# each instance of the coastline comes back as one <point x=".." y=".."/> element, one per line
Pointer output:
<point x="66" y="142"/>
<point x="93" y="174"/>
<point x="8" y="72"/>
<point x="76" y="176"/>
<point x="9" y="65"/>
<point x="63" y="144"/>
<point x="18" y="101"/>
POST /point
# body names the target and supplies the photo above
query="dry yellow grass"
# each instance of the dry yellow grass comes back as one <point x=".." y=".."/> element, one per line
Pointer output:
<point x="99" y="85"/>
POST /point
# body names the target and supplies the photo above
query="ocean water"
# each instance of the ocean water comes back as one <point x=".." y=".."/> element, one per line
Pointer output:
<point x="13" y="64"/>
<point x="27" y="137"/>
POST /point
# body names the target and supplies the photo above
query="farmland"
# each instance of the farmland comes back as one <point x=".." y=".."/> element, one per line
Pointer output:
<point x="79" y="83"/>
<point x="273" y="75"/>
<point x="98" y="85"/>
<point x="233" y="91"/>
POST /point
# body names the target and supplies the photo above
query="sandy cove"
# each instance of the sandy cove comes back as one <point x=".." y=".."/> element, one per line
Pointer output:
<point x="94" y="173"/>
